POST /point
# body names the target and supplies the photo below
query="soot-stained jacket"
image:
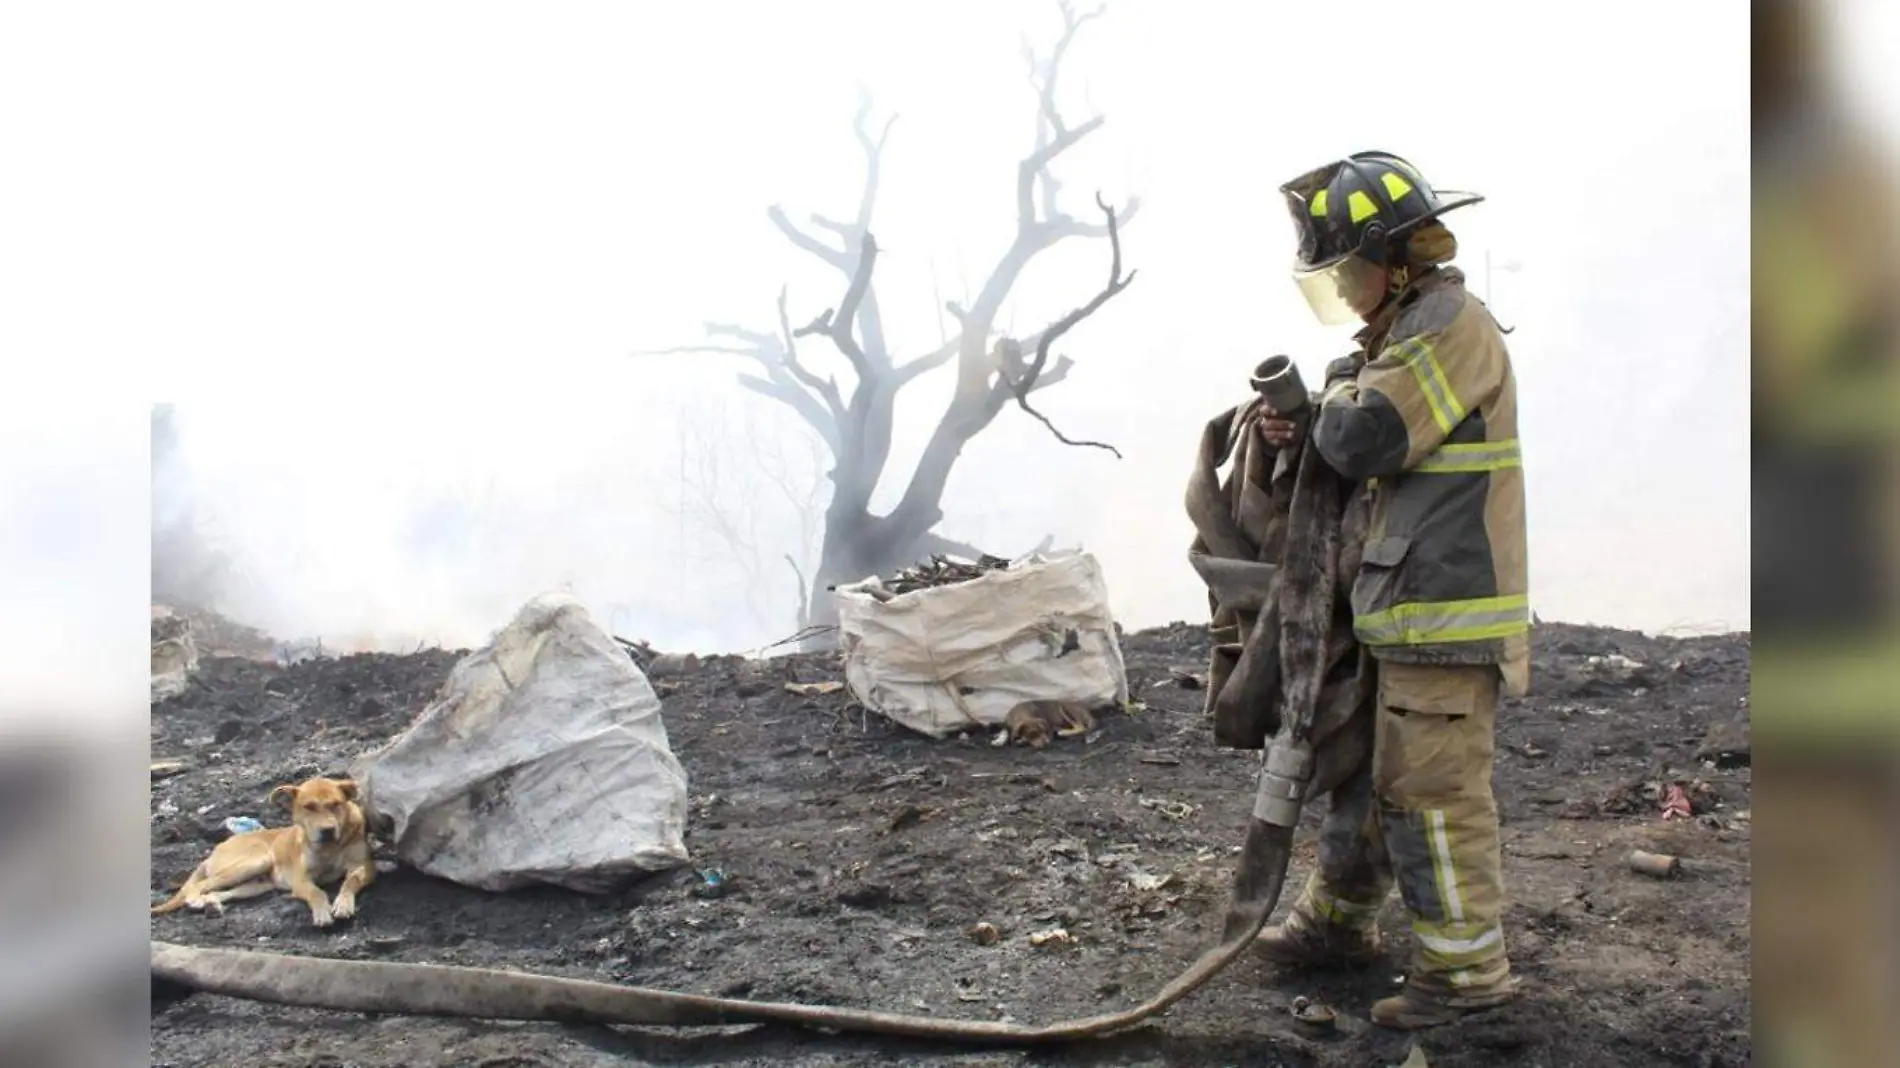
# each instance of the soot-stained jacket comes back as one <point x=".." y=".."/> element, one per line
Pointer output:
<point x="1430" y="423"/>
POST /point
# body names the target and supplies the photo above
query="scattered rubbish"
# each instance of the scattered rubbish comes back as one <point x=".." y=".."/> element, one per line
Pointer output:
<point x="383" y="943"/>
<point x="1726" y="746"/>
<point x="1187" y="680"/>
<point x="1416" y="1059"/>
<point x="1057" y="936"/>
<point x="167" y="807"/>
<point x="1145" y="881"/>
<point x="1655" y="865"/>
<point x="814" y="689"/>
<point x="165" y="769"/>
<point x="1676" y="804"/>
<point x="1160" y="761"/>
<point x="712" y="883"/>
<point x="1174" y="810"/>
<point x="985" y="934"/>
<point x="655" y="664"/>
<point x="1615" y="667"/>
<point x="914" y="775"/>
<point x="1530" y="751"/>
<point x="242" y="825"/>
<point x="667" y="664"/>
<point x="1313" y="1013"/>
<point x="908" y="816"/>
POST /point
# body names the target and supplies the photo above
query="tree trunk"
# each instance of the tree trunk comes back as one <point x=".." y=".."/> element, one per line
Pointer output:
<point x="857" y="547"/>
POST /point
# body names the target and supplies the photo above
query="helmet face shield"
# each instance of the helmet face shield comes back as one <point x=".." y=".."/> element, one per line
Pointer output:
<point x="1342" y="291"/>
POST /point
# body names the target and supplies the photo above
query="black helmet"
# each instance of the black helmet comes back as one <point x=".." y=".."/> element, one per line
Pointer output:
<point x="1352" y="217"/>
<point x="1361" y="205"/>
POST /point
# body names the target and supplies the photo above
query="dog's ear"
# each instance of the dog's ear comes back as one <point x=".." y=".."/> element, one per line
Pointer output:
<point x="283" y="795"/>
<point x="347" y="787"/>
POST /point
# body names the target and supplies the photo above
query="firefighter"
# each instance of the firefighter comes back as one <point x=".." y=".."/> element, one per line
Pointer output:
<point x="1424" y="416"/>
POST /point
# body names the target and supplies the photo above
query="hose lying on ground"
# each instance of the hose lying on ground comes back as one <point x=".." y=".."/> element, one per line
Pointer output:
<point x="443" y="990"/>
<point x="1286" y="779"/>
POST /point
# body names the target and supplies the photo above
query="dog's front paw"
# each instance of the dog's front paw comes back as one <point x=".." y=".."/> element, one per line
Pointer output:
<point x="320" y="915"/>
<point x="345" y="908"/>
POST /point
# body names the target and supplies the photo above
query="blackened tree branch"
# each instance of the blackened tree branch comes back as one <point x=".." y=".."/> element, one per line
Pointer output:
<point x="1117" y="282"/>
<point x="825" y="388"/>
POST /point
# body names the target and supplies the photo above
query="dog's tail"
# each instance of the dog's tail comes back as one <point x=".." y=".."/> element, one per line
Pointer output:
<point x="178" y="899"/>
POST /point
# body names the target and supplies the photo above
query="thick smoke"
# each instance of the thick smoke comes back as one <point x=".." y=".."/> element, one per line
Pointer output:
<point x="189" y="568"/>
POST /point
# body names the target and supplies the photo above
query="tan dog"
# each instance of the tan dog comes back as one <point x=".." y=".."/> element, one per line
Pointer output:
<point x="1034" y="723"/>
<point x="326" y="840"/>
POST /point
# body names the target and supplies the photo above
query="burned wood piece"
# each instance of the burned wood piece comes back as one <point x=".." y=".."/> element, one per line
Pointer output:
<point x="939" y="571"/>
<point x="1654" y="865"/>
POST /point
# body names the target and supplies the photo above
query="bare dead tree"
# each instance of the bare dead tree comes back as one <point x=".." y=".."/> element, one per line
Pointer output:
<point x="856" y="426"/>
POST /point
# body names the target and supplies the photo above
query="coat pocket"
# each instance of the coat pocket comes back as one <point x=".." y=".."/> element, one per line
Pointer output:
<point x="1381" y="572"/>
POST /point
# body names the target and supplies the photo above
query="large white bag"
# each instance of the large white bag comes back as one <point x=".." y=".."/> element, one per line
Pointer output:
<point x="956" y="657"/>
<point x="542" y="760"/>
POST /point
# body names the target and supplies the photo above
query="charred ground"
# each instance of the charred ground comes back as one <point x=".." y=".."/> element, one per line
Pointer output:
<point x="857" y="855"/>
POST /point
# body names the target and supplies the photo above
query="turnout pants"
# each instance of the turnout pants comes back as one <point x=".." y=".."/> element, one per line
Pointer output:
<point x="1421" y="814"/>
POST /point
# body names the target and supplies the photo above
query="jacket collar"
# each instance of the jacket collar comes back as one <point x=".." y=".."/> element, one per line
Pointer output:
<point x="1429" y="279"/>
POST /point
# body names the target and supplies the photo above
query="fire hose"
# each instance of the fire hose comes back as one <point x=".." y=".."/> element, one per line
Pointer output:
<point x="1300" y="627"/>
<point x="444" y="990"/>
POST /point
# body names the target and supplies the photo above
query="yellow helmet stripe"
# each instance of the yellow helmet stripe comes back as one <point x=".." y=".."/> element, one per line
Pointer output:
<point x="1396" y="186"/>
<point x="1319" y="203"/>
<point x="1361" y="206"/>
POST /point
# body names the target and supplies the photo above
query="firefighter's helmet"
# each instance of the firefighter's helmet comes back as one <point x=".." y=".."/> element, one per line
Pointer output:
<point x="1354" y="213"/>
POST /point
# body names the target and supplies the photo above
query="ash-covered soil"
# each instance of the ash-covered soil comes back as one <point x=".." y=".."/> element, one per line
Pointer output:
<point x="857" y="855"/>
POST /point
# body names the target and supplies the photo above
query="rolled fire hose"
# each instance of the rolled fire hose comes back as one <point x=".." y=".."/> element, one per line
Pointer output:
<point x="446" y="990"/>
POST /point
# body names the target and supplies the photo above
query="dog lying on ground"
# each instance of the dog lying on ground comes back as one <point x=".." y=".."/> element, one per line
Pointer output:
<point x="1034" y="723"/>
<point x="326" y="840"/>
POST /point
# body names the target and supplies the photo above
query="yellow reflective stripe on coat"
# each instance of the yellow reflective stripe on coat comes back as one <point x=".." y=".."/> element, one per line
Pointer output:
<point x="1476" y="456"/>
<point x="1345" y="387"/>
<point x="1431" y="622"/>
<point x="1417" y="354"/>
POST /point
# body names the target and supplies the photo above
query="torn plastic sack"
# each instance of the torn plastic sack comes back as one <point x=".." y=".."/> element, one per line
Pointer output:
<point x="174" y="653"/>
<point x="958" y="657"/>
<point x="543" y="759"/>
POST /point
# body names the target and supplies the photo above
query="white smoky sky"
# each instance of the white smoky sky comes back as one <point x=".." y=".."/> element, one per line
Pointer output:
<point x="392" y="263"/>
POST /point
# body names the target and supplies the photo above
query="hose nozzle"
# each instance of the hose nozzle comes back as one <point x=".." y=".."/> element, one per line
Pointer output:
<point x="1278" y="381"/>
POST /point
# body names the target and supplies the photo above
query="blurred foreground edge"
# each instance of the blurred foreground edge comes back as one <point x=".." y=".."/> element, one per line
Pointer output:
<point x="1826" y="675"/>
